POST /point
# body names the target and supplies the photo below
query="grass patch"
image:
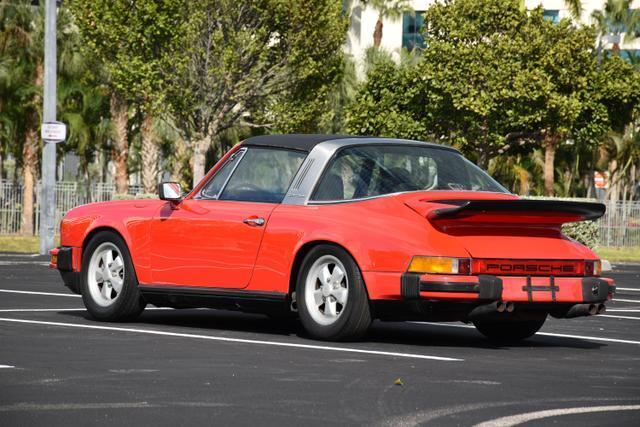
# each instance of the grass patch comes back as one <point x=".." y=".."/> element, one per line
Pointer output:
<point x="22" y="244"/>
<point x="620" y="254"/>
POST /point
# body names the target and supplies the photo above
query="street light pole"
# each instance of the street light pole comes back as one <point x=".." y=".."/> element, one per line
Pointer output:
<point x="47" y="188"/>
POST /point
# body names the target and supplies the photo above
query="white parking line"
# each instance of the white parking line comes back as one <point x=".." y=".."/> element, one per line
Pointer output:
<point x="15" y="291"/>
<point x="548" y="334"/>
<point x="628" y="289"/>
<point x="623" y="310"/>
<point x="43" y="263"/>
<point x="6" y="367"/>
<point x="37" y="310"/>
<point x="514" y="420"/>
<point x="238" y="340"/>
<point x="619" y="317"/>
<point x="626" y="300"/>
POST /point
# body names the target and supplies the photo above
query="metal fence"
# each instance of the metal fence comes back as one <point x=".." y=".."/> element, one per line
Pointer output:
<point x="619" y="227"/>
<point x="68" y="196"/>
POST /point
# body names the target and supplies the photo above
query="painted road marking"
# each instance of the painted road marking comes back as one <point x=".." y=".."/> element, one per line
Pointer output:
<point x="43" y="263"/>
<point x="619" y="317"/>
<point x="18" y="255"/>
<point x="237" y="340"/>
<point x="15" y="291"/>
<point x="6" y="367"/>
<point x="628" y="289"/>
<point x="37" y="310"/>
<point x="548" y="334"/>
<point x="623" y="310"/>
<point x="626" y="300"/>
<point x="514" y="420"/>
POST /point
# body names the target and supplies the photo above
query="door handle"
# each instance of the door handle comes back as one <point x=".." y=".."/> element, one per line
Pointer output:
<point x="254" y="221"/>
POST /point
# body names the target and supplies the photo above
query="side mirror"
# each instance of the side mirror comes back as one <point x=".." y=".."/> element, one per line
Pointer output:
<point x="170" y="191"/>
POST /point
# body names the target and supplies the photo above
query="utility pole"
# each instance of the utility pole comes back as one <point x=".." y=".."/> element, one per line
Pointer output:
<point x="47" y="188"/>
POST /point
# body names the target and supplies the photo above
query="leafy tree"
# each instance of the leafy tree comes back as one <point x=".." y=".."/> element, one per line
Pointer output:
<point x="22" y="63"/>
<point x="391" y="9"/>
<point x="135" y="40"/>
<point x="494" y="79"/>
<point x="256" y="64"/>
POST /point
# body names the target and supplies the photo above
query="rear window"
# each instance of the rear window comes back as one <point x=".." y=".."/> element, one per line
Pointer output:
<point x="366" y="171"/>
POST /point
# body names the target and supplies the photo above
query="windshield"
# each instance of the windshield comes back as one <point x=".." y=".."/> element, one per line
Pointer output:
<point x="372" y="170"/>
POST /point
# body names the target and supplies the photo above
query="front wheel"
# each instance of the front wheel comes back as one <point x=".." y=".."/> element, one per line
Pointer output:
<point x="509" y="330"/>
<point x="109" y="285"/>
<point x="332" y="299"/>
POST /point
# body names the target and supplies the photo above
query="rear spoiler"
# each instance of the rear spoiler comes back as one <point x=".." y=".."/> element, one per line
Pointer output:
<point x="517" y="211"/>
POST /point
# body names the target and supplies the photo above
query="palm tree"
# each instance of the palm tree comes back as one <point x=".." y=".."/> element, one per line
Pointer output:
<point x="22" y="51"/>
<point x="617" y="17"/>
<point x="21" y="42"/>
<point x="575" y="8"/>
<point x="391" y="9"/>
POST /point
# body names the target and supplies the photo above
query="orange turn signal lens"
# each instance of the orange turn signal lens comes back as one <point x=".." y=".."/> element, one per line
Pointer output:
<point x="439" y="265"/>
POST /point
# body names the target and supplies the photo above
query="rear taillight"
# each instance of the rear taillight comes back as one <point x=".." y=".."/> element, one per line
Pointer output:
<point x="592" y="268"/>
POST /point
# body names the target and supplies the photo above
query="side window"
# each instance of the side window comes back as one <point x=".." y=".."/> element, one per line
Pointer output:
<point x="263" y="175"/>
<point x="212" y="189"/>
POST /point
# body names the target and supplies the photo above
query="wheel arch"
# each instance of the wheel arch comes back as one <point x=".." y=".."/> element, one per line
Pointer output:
<point x="100" y="229"/>
<point x="302" y="253"/>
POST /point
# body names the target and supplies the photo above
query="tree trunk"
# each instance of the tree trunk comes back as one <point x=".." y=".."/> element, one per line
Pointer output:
<point x="199" y="158"/>
<point x="29" y="167"/>
<point x="483" y="160"/>
<point x="30" y="155"/>
<point x="150" y="155"/>
<point x="615" y="49"/>
<point x="549" y="161"/>
<point x="179" y="156"/>
<point x="377" y="33"/>
<point x="119" y="119"/>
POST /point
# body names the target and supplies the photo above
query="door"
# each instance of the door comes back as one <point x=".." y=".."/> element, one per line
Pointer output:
<point x="212" y="240"/>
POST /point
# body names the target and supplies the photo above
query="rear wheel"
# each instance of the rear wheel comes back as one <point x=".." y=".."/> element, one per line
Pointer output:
<point x="109" y="285"/>
<point x="331" y="296"/>
<point x="509" y="330"/>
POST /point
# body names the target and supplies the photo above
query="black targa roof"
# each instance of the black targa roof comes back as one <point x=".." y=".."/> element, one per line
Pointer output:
<point x="302" y="142"/>
<point x="306" y="142"/>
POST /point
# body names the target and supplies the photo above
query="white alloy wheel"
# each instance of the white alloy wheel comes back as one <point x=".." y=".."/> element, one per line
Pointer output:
<point x="105" y="277"/>
<point x="326" y="290"/>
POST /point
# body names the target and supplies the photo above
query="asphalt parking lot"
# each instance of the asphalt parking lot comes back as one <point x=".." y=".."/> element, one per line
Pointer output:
<point x="173" y="367"/>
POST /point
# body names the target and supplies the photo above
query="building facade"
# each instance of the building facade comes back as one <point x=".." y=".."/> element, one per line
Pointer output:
<point x="405" y="32"/>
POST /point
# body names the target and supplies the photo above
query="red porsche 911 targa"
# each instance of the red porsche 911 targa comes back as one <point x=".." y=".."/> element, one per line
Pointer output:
<point x="338" y="230"/>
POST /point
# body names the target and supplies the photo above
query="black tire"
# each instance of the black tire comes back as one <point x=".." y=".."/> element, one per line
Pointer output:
<point x="355" y="317"/>
<point x="129" y="303"/>
<point x="509" y="330"/>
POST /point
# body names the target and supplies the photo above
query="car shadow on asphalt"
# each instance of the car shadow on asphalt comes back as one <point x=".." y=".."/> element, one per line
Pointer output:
<point x="399" y="333"/>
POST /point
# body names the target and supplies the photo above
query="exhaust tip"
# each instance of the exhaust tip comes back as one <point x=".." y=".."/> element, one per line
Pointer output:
<point x="501" y="307"/>
<point x="510" y="307"/>
<point x="593" y="309"/>
<point x="602" y="309"/>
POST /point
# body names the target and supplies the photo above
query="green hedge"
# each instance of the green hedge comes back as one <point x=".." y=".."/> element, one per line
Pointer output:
<point x="585" y="232"/>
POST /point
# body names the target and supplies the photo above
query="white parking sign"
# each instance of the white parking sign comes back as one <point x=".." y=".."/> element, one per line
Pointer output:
<point x="54" y="132"/>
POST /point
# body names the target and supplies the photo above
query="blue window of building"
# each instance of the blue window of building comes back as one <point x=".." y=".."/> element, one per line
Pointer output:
<point x="552" y="15"/>
<point x="412" y="24"/>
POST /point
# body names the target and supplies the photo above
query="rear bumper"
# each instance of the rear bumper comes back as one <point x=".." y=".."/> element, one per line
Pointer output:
<point x="506" y="288"/>
<point x="66" y="259"/>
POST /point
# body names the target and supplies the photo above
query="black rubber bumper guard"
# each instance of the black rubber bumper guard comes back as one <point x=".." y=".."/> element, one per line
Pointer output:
<point x="64" y="265"/>
<point x="489" y="288"/>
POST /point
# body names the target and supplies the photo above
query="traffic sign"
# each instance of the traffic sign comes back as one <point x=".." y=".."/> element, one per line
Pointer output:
<point x="54" y="132"/>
